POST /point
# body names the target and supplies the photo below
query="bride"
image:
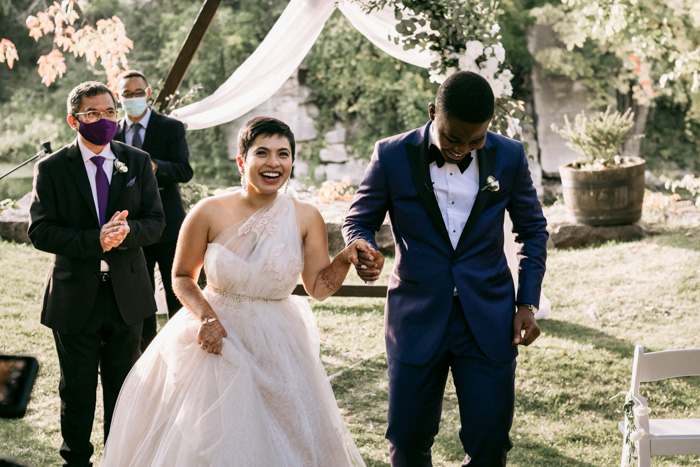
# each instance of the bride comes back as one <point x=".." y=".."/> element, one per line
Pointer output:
<point x="237" y="381"/>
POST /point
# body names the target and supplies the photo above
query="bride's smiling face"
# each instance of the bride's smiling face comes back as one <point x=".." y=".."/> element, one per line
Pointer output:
<point x="267" y="164"/>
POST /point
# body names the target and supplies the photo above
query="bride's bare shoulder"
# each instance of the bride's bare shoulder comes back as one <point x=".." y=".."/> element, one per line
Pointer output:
<point x="309" y="218"/>
<point x="217" y="204"/>
<point x="307" y="211"/>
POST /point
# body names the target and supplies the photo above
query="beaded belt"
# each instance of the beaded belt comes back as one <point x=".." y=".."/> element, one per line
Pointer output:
<point x="241" y="298"/>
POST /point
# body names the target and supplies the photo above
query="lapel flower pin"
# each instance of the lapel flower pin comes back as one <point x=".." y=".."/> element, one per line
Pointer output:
<point x="120" y="167"/>
<point x="491" y="184"/>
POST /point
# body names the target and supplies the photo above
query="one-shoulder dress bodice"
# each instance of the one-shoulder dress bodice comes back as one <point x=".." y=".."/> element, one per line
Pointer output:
<point x="260" y="258"/>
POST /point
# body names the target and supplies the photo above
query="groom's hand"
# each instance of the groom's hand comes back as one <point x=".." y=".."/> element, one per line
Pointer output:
<point x="369" y="266"/>
<point x="524" y="321"/>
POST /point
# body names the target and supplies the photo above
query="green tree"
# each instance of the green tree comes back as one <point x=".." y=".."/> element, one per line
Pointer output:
<point x="160" y="28"/>
<point x="371" y="93"/>
<point x="460" y="35"/>
<point x="644" y="50"/>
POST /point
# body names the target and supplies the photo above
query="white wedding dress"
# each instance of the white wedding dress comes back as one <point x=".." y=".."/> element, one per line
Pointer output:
<point x="266" y="399"/>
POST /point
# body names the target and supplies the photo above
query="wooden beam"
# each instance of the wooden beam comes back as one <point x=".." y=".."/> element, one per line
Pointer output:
<point x="189" y="47"/>
<point x="351" y="291"/>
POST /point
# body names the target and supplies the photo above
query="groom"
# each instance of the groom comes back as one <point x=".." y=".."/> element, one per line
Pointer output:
<point x="451" y="303"/>
<point x="95" y="204"/>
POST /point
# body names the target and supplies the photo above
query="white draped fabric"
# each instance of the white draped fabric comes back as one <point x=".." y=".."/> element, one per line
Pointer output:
<point x="283" y="50"/>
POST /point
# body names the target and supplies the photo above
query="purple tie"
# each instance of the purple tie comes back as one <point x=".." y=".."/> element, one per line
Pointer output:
<point x="136" y="140"/>
<point x="102" y="188"/>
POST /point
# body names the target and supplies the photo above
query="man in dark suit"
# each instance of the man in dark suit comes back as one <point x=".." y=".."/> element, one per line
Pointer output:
<point x="95" y="204"/>
<point x="451" y="304"/>
<point x="164" y="139"/>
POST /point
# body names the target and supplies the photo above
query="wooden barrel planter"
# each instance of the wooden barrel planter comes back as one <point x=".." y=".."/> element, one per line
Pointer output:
<point x="611" y="196"/>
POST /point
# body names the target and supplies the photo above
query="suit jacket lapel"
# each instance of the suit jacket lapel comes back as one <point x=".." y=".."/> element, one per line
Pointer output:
<point x="121" y="131"/>
<point x="76" y="167"/>
<point x="118" y="178"/>
<point x="487" y="163"/>
<point x="151" y="131"/>
<point x="418" y="160"/>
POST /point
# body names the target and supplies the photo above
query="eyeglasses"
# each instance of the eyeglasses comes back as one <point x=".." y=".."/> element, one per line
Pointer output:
<point x="129" y="95"/>
<point x="94" y="115"/>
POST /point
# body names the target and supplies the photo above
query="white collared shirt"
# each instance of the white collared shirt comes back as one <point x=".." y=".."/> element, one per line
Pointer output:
<point x="129" y="132"/>
<point x="455" y="192"/>
<point x="91" y="169"/>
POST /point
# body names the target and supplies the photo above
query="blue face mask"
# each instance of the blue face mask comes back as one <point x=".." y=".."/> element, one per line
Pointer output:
<point x="135" y="106"/>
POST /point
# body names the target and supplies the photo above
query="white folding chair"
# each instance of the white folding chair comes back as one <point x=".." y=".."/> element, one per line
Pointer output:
<point x="662" y="437"/>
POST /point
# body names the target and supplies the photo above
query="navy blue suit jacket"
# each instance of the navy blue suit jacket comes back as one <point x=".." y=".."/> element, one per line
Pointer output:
<point x="166" y="144"/>
<point x="427" y="268"/>
<point x="64" y="222"/>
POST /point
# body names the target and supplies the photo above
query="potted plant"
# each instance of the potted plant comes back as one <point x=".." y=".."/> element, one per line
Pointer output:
<point x="602" y="187"/>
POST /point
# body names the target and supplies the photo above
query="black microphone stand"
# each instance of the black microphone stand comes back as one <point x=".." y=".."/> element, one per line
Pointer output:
<point x="42" y="153"/>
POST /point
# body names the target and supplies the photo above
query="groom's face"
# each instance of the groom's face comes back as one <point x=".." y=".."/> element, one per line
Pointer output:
<point x="456" y="138"/>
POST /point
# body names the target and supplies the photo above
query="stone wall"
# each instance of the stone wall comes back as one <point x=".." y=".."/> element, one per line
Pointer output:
<point x="294" y="104"/>
<point x="14" y="222"/>
<point x="553" y="97"/>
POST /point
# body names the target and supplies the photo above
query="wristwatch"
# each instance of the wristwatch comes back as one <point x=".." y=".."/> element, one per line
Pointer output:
<point x="533" y="309"/>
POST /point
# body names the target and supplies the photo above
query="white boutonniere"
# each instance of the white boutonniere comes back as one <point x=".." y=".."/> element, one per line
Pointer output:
<point x="491" y="184"/>
<point x="120" y="167"/>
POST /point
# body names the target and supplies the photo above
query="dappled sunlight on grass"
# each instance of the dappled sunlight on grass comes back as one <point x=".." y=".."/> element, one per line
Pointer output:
<point x="605" y="299"/>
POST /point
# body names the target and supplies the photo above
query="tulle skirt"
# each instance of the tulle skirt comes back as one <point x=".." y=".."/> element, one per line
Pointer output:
<point x="265" y="400"/>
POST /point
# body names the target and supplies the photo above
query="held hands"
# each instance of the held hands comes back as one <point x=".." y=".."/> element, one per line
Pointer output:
<point x="210" y="336"/>
<point x="524" y="321"/>
<point x="357" y="248"/>
<point x="113" y="233"/>
<point x="370" y="263"/>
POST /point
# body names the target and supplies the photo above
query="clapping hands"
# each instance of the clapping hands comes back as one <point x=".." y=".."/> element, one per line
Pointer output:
<point x="113" y="233"/>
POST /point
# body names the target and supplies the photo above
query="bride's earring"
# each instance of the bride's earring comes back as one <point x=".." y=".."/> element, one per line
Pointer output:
<point x="244" y="183"/>
<point x="286" y="187"/>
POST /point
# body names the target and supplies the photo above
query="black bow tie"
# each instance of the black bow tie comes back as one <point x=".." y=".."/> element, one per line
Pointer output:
<point x="437" y="157"/>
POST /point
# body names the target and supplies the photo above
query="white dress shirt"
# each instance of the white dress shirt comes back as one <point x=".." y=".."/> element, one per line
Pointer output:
<point x="455" y="192"/>
<point x="129" y="132"/>
<point x="91" y="169"/>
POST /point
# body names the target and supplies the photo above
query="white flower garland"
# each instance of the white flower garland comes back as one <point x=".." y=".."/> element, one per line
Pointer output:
<point x="632" y="409"/>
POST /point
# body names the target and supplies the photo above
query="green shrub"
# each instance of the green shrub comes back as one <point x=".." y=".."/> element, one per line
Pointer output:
<point x="597" y="137"/>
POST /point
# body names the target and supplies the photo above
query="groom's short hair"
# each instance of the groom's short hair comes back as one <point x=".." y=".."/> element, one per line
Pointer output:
<point x="466" y="96"/>
<point x="267" y="126"/>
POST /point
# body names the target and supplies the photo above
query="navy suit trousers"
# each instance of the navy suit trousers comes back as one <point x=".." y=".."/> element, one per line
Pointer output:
<point x="485" y="391"/>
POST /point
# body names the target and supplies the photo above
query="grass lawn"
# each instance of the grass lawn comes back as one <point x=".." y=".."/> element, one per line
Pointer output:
<point x="605" y="299"/>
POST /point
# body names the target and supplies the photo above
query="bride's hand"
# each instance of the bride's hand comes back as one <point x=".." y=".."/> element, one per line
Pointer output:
<point x="369" y="262"/>
<point x="210" y="335"/>
<point x="359" y="249"/>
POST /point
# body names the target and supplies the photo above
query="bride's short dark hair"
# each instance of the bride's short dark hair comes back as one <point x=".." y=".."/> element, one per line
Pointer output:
<point x="267" y="126"/>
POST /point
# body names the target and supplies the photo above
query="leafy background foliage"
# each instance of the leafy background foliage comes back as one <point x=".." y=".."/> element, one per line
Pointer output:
<point x="369" y="93"/>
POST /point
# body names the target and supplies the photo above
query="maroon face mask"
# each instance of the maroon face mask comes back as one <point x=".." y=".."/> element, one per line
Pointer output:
<point x="99" y="133"/>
